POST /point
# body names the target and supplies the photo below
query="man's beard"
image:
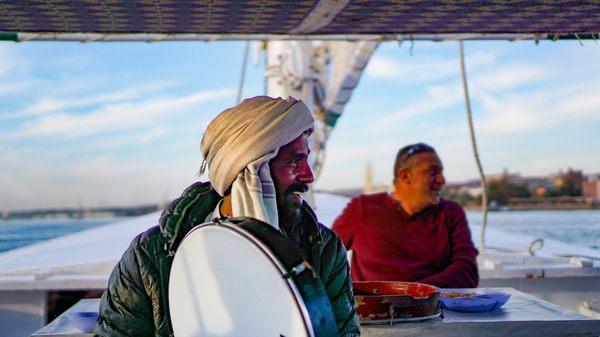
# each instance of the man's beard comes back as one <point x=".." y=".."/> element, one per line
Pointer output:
<point x="290" y="213"/>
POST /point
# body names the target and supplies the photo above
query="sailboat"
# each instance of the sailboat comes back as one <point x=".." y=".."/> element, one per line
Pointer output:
<point x="316" y="51"/>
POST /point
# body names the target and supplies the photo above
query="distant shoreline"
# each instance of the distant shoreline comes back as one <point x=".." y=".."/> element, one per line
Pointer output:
<point x="508" y="209"/>
<point x="78" y="213"/>
<point x="515" y="204"/>
<point x="562" y="203"/>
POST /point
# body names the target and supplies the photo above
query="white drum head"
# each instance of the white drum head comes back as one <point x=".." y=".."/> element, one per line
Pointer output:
<point x="224" y="282"/>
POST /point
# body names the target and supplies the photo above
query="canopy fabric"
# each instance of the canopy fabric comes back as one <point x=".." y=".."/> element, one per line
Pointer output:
<point x="467" y="16"/>
<point x="230" y="17"/>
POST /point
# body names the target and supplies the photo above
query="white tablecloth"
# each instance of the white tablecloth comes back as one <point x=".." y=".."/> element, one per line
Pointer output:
<point x="522" y="315"/>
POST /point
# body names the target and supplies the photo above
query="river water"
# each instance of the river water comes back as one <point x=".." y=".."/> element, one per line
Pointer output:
<point x="18" y="233"/>
<point x="580" y="228"/>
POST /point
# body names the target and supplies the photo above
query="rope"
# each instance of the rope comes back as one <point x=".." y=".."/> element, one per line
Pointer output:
<point x="265" y="64"/>
<point x="484" y="196"/>
<point x="243" y="73"/>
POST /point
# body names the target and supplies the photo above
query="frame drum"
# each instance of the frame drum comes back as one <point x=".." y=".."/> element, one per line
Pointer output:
<point x="225" y="281"/>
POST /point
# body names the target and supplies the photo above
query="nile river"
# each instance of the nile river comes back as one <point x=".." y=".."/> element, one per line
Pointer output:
<point x="581" y="228"/>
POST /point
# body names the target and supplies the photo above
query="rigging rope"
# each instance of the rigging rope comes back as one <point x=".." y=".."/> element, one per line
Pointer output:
<point x="243" y="72"/>
<point x="484" y="196"/>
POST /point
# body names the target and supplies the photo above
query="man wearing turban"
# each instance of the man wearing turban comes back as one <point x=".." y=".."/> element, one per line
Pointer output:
<point x="257" y="159"/>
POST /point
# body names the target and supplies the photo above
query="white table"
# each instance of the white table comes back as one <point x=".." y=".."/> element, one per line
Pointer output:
<point x="522" y="315"/>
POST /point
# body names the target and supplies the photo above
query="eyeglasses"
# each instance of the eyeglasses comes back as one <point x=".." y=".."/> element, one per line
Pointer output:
<point x="413" y="149"/>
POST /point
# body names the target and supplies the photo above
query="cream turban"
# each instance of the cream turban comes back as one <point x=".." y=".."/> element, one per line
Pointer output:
<point x="248" y="131"/>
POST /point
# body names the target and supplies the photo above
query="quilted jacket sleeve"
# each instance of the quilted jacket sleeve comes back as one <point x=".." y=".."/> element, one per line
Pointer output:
<point x="125" y="308"/>
<point x="338" y="285"/>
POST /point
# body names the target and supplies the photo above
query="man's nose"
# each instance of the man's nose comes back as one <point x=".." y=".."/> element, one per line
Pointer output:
<point x="440" y="179"/>
<point x="306" y="175"/>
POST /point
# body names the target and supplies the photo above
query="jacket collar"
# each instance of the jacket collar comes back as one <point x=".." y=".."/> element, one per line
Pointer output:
<point x="187" y="211"/>
<point x="197" y="201"/>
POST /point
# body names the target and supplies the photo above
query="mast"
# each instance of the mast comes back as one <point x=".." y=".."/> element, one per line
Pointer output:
<point x="323" y="74"/>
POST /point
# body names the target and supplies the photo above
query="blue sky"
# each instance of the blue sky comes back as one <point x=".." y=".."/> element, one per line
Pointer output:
<point x="102" y="124"/>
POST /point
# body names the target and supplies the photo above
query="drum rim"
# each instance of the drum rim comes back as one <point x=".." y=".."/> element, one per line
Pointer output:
<point x="270" y="256"/>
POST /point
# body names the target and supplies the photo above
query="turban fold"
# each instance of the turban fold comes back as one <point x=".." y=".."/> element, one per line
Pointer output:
<point x="240" y="141"/>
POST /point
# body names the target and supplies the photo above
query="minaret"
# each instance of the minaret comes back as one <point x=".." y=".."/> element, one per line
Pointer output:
<point x="368" y="188"/>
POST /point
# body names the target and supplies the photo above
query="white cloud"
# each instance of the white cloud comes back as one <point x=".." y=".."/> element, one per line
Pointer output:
<point x="422" y="69"/>
<point x="10" y="61"/>
<point x="12" y="68"/>
<point x="483" y="86"/>
<point x="14" y="86"/>
<point x="508" y="77"/>
<point x="50" y="104"/>
<point x="436" y="98"/>
<point x="150" y="135"/>
<point x="539" y="110"/>
<point x="120" y="116"/>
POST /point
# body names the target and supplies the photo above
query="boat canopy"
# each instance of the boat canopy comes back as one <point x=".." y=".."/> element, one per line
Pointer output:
<point x="113" y="20"/>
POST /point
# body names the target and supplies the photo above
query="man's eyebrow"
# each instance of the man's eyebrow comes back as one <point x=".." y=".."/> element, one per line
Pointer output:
<point x="301" y="152"/>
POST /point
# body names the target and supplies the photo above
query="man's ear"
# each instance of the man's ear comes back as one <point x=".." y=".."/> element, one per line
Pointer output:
<point x="404" y="175"/>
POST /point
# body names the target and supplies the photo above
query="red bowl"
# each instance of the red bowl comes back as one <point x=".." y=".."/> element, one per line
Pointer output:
<point x="391" y="300"/>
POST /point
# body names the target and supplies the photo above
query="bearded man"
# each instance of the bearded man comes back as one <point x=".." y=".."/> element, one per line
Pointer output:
<point x="257" y="158"/>
<point x="411" y="234"/>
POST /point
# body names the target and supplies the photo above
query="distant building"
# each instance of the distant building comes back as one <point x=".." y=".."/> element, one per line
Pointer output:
<point x="572" y="178"/>
<point x="370" y="187"/>
<point x="591" y="189"/>
<point x="368" y="178"/>
<point x="538" y="185"/>
<point x="471" y="187"/>
<point x="561" y="183"/>
<point x="511" y="178"/>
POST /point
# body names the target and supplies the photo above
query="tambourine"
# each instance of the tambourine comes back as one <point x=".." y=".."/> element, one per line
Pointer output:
<point x="242" y="277"/>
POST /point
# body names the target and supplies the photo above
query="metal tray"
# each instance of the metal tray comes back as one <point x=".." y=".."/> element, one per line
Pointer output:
<point x="403" y="320"/>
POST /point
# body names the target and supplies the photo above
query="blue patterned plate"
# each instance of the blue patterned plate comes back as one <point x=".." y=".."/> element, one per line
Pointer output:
<point x="474" y="302"/>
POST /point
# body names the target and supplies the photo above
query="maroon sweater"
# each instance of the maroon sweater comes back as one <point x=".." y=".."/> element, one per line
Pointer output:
<point x="433" y="246"/>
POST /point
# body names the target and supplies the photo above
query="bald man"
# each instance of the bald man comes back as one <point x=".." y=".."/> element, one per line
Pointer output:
<point x="257" y="159"/>
<point x="411" y="234"/>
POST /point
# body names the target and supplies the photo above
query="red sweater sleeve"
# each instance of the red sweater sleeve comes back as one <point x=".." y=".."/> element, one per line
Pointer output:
<point x="461" y="272"/>
<point x="343" y="225"/>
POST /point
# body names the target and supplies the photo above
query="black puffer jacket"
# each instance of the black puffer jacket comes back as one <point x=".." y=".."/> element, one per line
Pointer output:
<point x="136" y="300"/>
